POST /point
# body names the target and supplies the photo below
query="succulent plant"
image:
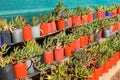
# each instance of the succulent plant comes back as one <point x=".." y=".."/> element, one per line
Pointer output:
<point x="35" y="21"/>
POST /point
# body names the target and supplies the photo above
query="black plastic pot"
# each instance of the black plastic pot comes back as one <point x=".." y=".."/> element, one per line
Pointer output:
<point x="6" y="37"/>
<point x="7" y="73"/>
<point x="95" y="15"/>
<point x="106" y="33"/>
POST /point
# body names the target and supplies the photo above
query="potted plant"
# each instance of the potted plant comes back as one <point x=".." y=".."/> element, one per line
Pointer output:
<point x="48" y="51"/>
<point x="84" y="16"/>
<point x="100" y="13"/>
<point x="44" y="26"/>
<point x="52" y="23"/>
<point x="89" y="12"/>
<point x="59" y="48"/>
<point x="19" y="64"/>
<point x="6" y="67"/>
<point x="35" y="27"/>
<point x="68" y="18"/>
<point x="58" y="13"/>
<point x="5" y="32"/>
<point x="17" y="24"/>
<point x="78" y="14"/>
<point x="33" y="50"/>
<point x="109" y="11"/>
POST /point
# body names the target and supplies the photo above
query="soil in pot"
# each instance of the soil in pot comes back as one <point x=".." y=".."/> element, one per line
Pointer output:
<point x="60" y="24"/>
<point x="48" y="57"/>
<point x="17" y="36"/>
<point x="36" y="31"/>
<point x="7" y="73"/>
<point x="59" y="53"/>
<point x="27" y="33"/>
<point x="20" y="70"/>
<point x="6" y="37"/>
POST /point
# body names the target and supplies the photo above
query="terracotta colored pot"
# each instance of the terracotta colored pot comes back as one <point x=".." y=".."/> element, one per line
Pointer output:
<point x="76" y="44"/>
<point x="45" y="29"/>
<point x="53" y="27"/>
<point x="115" y="27"/>
<point x="90" y="78"/>
<point x="69" y="22"/>
<point x="116" y="56"/>
<point x="90" y="17"/>
<point x="114" y="12"/>
<point x="20" y="70"/>
<point x="86" y="40"/>
<point x="84" y="19"/>
<point x="74" y="20"/>
<point x="118" y="10"/>
<point x="59" y="54"/>
<point x="78" y="20"/>
<point x="72" y="46"/>
<point x="27" y="33"/>
<point x="106" y="67"/>
<point x="101" y="68"/>
<point x="100" y="15"/>
<point x="96" y="74"/>
<point x="68" y="51"/>
<point x="82" y="42"/>
<point x="48" y="57"/>
<point x="60" y="24"/>
<point x="119" y="26"/>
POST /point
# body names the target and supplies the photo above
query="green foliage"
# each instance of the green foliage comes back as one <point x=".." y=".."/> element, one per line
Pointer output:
<point x="58" y="10"/>
<point x="68" y="12"/>
<point x="43" y="18"/>
<point x="3" y="23"/>
<point x="35" y="21"/>
<point x="18" y="22"/>
<point x="51" y="17"/>
<point x="89" y="10"/>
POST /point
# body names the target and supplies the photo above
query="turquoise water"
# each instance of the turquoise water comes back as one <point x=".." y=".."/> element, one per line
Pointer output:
<point x="28" y="8"/>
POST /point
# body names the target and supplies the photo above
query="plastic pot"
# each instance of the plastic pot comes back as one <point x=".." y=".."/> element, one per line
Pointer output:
<point x="68" y="22"/>
<point x="96" y="74"/>
<point x="76" y="44"/>
<point x="109" y="14"/>
<point x="84" y="19"/>
<point x="27" y="33"/>
<point x="78" y="20"/>
<point x="45" y="29"/>
<point x="82" y="42"/>
<point x="90" y="17"/>
<point x="118" y="10"/>
<point x="30" y="68"/>
<point x="53" y="27"/>
<point x="68" y="51"/>
<point x="115" y="27"/>
<point x="72" y="46"/>
<point x="6" y="37"/>
<point x="7" y="73"/>
<point x="100" y="15"/>
<point x="17" y="36"/>
<point x="86" y="40"/>
<point x="106" y="67"/>
<point x="95" y="15"/>
<point x="60" y="24"/>
<point x="74" y="20"/>
<point x="48" y="57"/>
<point x="59" y="53"/>
<point x="36" y="31"/>
<point x="0" y="41"/>
<point x="114" y="12"/>
<point x="106" y="33"/>
<point x="105" y="13"/>
<point x="20" y="70"/>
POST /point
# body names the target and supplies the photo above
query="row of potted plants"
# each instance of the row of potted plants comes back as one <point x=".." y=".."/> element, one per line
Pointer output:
<point x="63" y="43"/>
<point x="60" y="19"/>
<point x="88" y="64"/>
